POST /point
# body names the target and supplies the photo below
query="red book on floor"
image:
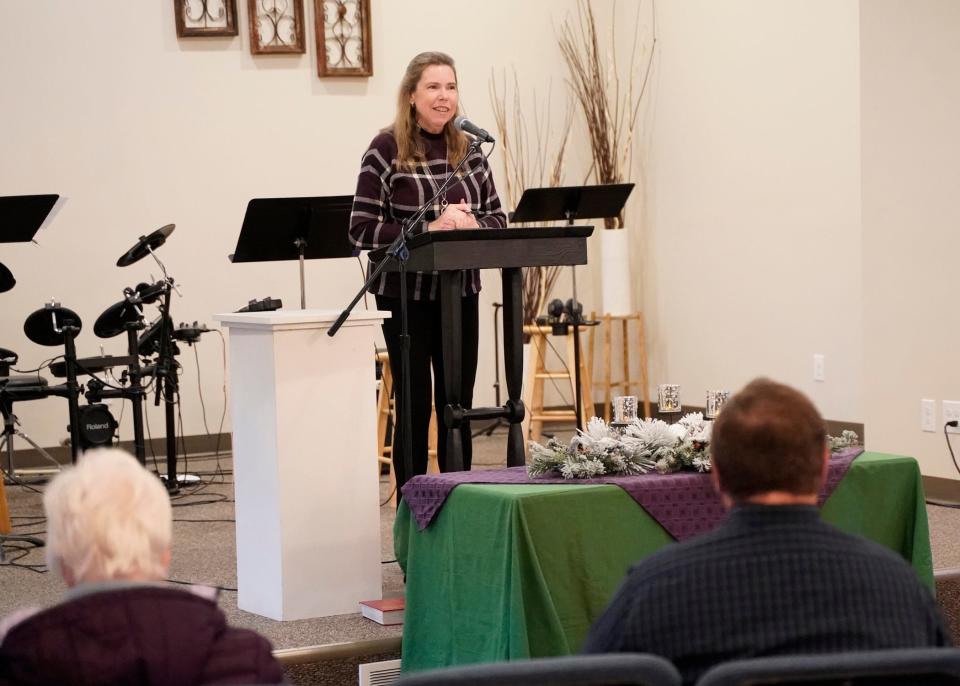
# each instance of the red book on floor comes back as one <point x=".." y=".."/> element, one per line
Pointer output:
<point x="387" y="611"/>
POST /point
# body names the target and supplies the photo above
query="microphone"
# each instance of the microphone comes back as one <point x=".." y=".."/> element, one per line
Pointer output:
<point x="468" y="126"/>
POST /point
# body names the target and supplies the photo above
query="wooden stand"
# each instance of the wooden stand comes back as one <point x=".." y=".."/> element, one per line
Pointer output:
<point x="537" y="374"/>
<point x="608" y="321"/>
<point x="385" y="413"/>
<point x="4" y="510"/>
<point x="304" y="431"/>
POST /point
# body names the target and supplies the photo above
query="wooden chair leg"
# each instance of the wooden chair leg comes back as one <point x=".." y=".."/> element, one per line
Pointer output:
<point x="625" y="333"/>
<point x="590" y="342"/>
<point x="533" y="388"/>
<point x="644" y="375"/>
<point x="586" y="412"/>
<point x="586" y="388"/>
<point x="5" y="527"/>
<point x="607" y="347"/>
<point x="433" y="465"/>
<point x="393" y="487"/>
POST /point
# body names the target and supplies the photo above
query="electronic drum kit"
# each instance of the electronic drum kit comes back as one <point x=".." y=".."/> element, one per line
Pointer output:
<point x="155" y="344"/>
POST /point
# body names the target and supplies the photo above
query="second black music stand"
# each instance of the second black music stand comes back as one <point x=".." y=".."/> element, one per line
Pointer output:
<point x="569" y="204"/>
<point x="295" y="229"/>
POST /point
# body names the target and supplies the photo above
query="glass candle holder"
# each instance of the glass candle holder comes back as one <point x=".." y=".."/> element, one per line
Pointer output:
<point x="624" y="409"/>
<point x="668" y="400"/>
<point x="715" y="401"/>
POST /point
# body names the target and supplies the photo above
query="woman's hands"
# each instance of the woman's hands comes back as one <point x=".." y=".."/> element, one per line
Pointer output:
<point x="458" y="216"/>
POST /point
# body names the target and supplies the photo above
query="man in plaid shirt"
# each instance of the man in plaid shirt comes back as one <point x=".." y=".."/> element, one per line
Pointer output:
<point x="773" y="579"/>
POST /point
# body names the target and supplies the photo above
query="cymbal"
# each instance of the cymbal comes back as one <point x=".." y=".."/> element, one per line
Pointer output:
<point x="143" y="246"/>
<point x="40" y="327"/>
<point x="116" y="318"/>
<point x="6" y="279"/>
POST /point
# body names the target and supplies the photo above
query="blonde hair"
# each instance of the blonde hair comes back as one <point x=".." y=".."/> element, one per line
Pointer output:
<point x="411" y="148"/>
<point x="108" y="518"/>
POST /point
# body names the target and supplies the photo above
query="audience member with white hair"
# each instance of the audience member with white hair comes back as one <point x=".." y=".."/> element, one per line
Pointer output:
<point x="109" y="525"/>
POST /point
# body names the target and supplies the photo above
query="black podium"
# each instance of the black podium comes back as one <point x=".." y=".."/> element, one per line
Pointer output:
<point x="450" y="252"/>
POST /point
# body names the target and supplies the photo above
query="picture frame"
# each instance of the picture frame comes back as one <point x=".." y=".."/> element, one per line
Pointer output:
<point x="343" y="33"/>
<point x="276" y="27"/>
<point x="200" y="18"/>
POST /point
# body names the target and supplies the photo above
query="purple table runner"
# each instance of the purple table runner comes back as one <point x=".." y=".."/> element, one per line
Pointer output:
<point x="683" y="503"/>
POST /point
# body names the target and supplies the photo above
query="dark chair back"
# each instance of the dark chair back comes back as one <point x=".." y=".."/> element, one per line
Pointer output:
<point x="615" y="669"/>
<point x="921" y="666"/>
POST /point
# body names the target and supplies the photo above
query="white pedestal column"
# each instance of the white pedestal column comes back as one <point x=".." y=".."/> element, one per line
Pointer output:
<point x="304" y="451"/>
<point x="615" y="271"/>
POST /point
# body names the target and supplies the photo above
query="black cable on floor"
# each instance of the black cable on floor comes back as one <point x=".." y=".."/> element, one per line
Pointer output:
<point x="389" y="496"/>
<point x="193" y="583"/>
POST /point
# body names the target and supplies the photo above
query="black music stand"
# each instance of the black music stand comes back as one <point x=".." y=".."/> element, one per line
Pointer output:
<point x="571" y="203"/>
<point x="21" y="216"/>
<point x="295" y="229"/>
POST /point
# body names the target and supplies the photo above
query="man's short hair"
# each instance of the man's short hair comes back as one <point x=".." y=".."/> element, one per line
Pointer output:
<point x="108" y="518"/>
<point x="768" y="437"/>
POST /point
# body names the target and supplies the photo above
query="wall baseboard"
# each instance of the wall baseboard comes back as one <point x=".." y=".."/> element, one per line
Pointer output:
<point x="29" y="458"/>
<point x="940" y="490"/>
<point x="203" y="443"/>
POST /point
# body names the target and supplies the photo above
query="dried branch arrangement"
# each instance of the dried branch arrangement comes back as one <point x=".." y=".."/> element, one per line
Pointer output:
<point x="533" y="153"/>
<point x="610" y="109"/>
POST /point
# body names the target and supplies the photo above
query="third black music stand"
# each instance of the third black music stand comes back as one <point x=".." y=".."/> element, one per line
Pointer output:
<point x="295" y="229"/>
<point x="572" y="203"/>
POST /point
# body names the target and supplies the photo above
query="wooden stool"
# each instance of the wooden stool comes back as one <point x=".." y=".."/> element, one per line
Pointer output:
<point x="386" y="413"/>
<point x="627" y="383"/>
<point x="537" y="372"/>
<point x="5" y="527"/>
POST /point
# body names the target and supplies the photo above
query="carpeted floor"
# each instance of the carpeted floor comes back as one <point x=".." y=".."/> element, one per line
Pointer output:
<point x="204" y="552"/>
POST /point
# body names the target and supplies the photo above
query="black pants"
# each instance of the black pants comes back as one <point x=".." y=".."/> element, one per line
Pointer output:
<point x="426" y="347"/>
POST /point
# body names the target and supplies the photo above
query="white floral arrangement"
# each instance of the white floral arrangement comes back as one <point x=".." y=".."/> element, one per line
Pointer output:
<point x="641" y="446"/>
<point x="847" y="439"/>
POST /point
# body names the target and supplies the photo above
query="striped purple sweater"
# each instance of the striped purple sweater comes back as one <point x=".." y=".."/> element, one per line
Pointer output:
<point x="387" y="195"/>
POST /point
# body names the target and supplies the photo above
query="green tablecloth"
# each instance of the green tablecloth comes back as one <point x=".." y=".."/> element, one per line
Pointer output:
<point x="515" y="571"/>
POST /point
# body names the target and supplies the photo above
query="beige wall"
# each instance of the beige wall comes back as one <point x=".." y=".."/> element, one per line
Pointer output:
<point x="911" y="221"/>
<point x="752" y="238"/>
<point x="800" y="158"/>
<point x="139" y="129"/>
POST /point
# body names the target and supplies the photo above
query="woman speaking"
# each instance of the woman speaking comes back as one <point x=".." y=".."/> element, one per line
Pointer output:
<point x="406" y="165"/>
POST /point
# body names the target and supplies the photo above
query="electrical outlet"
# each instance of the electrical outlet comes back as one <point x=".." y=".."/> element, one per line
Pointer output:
<point x="951" y="413"/>
<point x="818" y="370"/>
<point x="928" y="415"/>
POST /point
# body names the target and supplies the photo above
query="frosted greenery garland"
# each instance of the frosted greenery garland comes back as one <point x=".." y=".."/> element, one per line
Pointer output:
<point x="845" y="440"/>
<point x="644" y="445"/>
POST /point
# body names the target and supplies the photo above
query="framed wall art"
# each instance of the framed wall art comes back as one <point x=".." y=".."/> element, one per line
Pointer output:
<point x="205" y="17"/>
<point x="343" y="38"/>
<point x="276" y="26"/>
